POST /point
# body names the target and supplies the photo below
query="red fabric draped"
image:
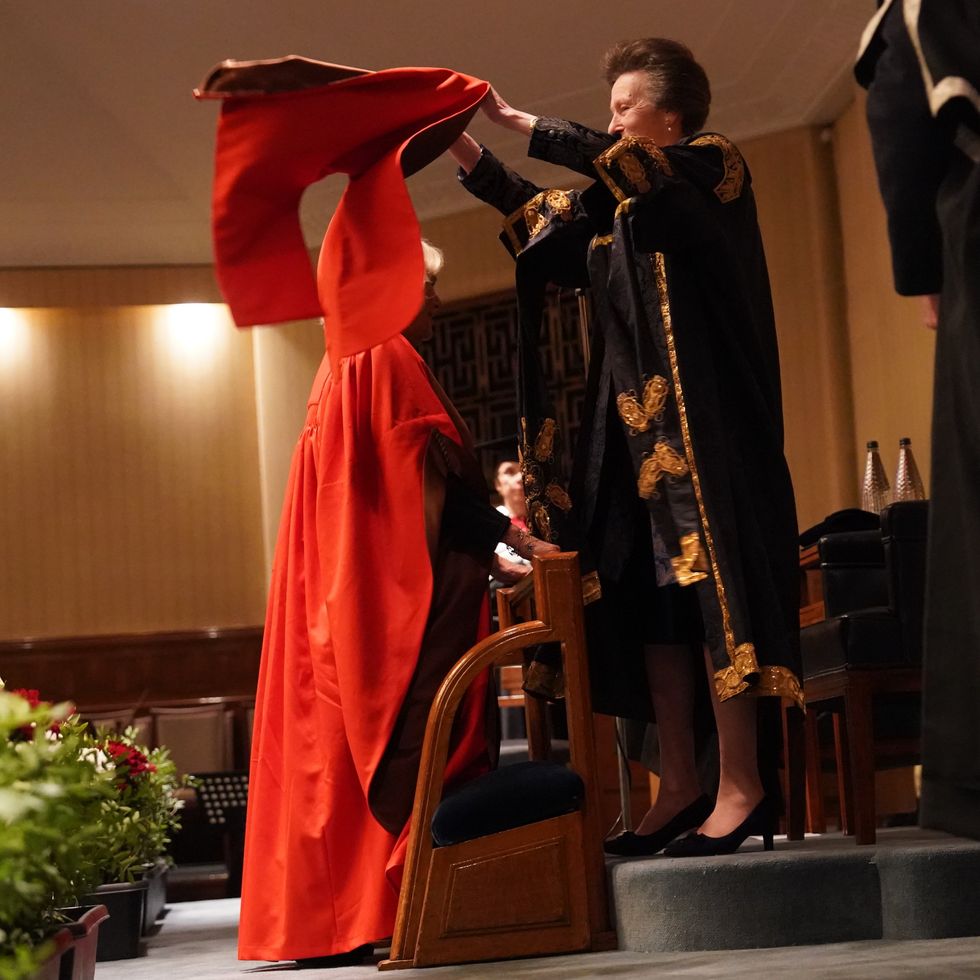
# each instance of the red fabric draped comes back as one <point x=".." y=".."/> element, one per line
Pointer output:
<point x="348" y="606"/>
<point x="378" y="128"/>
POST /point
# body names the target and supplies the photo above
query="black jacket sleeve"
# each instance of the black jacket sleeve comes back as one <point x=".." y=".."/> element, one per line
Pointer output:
<point x="912" y="155"/>
<point x="496" y="184"/>
<point x="568" y="144"/>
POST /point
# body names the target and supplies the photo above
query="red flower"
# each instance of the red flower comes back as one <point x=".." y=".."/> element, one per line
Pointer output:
<point x="33" y="698"/>
<point x="134" y="761"/>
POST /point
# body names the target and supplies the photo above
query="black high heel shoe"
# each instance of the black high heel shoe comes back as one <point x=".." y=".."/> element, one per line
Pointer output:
<point x="759" y="823"/>
<point x="644" y="845"/>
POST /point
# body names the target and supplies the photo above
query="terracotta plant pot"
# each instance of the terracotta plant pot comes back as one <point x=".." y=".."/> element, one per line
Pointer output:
<point x="50" y="969"/>
<point x="85" y="932"/>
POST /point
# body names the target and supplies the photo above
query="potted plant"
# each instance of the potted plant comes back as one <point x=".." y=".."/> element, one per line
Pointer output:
<point x="137" y="822"/>
<point x="50" y="804"/>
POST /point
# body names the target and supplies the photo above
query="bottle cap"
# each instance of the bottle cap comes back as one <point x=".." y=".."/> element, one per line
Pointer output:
<point x="905" y="441"/>
<point x="873" y="444"/>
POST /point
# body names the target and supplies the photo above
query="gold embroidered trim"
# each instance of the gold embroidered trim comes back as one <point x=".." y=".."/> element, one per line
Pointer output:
<point x="509" y="222"/>
<point x="591" y="588"/>
<point x="660" y="271"/>
<point x="731" y="680"/>
<point x="539" y="518"/>
<point x="663" y="459"/>
<point x="557" y="201"/>
<point x="637" y="416"/>
<point x="624" y="207"/>
<point x="778" y="682"/>
<point x="632" y="168"/>
<point x="781" y="683"/>
<point x="690" y="566"/>
<point x="730" y="186"/>
<point x="545" y="442"/>
<point x="557" y="495"/>
<point x="602" y="240"/>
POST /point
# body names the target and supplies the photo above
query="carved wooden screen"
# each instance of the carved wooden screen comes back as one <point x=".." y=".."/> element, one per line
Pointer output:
<point x="473" y="354"/>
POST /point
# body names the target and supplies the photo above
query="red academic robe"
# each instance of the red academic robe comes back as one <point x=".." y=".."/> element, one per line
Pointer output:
<point x="347" y="622"/>
<point x="361" y="626"/>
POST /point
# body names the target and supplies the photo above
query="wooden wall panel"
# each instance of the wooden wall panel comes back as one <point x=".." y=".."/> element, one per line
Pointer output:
<point x="135" y="669"/>
<point x="129" y="496"/>
<point x="891" y="352"/>
<point x="108" y="286"/>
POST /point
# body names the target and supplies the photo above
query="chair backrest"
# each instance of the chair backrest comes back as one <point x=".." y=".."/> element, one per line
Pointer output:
<point x="199" y="738"/>
<point x="903" y="534"/>
<point x="852" y="567"/>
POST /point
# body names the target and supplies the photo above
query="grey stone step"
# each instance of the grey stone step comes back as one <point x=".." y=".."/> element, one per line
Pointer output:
<point x="912" y="884"/>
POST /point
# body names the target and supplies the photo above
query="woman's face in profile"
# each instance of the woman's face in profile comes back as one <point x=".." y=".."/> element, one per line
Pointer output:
<point x="420" y="329"/>
<point x="634" y="112"/>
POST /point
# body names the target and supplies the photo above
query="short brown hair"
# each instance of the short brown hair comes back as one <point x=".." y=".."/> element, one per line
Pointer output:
<point x="677" y="82"/>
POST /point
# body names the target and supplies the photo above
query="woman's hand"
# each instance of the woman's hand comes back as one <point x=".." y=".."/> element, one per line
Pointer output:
<point x="527" y="545"/>
<point x="508" y="572"/>
<point x="503" y="114"/>
<point x="929" y="304"/>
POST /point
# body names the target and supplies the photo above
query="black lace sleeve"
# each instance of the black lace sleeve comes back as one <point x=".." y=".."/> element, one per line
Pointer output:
<point x="496" y="184"/>
<point x="568" y="144"/>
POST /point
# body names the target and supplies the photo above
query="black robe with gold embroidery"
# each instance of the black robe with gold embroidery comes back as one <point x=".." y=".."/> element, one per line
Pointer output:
<point x="683" y="410"/>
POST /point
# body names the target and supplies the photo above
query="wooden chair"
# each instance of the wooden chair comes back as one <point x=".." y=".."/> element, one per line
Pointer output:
<point x="869" y="646"/>
<point x="530" y="890"/>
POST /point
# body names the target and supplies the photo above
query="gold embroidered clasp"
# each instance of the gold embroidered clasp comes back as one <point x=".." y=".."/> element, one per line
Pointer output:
<point x="663" y="459"/>
<point x="637" y="416"/>
<point x="690" y="565"/>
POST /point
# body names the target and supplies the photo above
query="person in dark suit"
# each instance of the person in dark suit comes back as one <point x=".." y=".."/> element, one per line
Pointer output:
<point x="920" y="62"/>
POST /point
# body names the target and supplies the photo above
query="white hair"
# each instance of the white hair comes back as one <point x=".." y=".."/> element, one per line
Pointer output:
<point x="433" y="259"/>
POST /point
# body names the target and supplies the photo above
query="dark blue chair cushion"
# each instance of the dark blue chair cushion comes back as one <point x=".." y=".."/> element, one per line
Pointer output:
<point x="864" y="638"/>
<point x="506" y="798"/>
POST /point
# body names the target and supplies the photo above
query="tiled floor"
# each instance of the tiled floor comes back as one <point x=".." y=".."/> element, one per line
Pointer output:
<point x="197" y="942"/>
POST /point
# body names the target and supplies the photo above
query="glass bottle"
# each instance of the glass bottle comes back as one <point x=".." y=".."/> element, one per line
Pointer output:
<point x="874" y="487"/>
<point x="908" y="483"/>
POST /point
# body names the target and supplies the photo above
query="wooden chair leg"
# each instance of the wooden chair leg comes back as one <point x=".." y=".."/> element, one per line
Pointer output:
<point x="860" y="735"/>
<point x="795" y="768"/>
<point x="843" y="759"/>
<point x="816" y="816"/>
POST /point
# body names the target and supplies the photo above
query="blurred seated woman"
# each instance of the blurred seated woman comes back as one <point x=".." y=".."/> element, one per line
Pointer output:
<point x="680" y="485"/>
<point x="379" y="585"/>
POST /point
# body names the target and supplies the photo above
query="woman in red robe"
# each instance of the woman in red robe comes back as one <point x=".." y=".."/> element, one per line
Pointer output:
<point x="379" y="586"/>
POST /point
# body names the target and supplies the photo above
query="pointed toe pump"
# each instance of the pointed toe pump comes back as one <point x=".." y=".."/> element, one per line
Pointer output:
<point x="645" y="845"/>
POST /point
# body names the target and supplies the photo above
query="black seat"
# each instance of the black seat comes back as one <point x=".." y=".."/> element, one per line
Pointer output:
<point x="869" y="647"/>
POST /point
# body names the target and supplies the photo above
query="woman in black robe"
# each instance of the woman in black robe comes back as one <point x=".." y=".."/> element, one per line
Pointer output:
<point x="680" y="492"/>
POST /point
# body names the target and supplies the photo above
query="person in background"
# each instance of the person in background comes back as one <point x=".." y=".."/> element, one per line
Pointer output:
<point x="920" y="62"/>
<point x="509" y="484"/>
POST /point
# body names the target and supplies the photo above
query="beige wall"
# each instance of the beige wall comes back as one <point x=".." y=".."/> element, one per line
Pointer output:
<point x="793" y="179"/>
<point x="891" y="353"/>
<point x="129" y="484"/>
<point x="139" y="491"/>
